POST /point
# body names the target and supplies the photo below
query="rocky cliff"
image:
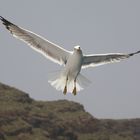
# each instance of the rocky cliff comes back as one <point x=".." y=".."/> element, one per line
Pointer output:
<point x="22" y="118"/>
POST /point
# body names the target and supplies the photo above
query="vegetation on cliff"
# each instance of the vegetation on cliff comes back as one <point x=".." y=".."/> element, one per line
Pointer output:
<point x="22" y="118"/>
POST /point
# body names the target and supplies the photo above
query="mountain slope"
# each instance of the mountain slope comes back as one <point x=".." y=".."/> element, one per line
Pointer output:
<point x="22" y="118"/>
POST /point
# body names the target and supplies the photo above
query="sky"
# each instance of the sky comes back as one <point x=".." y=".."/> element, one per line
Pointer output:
<point x="98" y="26"/>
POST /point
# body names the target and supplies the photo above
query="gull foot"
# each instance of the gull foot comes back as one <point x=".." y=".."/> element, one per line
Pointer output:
<point x="65" y="90"/>
<point x="74" y="91"/>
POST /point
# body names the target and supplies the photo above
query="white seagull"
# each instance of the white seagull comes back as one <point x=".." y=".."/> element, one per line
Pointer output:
<point x="69" y="79"/>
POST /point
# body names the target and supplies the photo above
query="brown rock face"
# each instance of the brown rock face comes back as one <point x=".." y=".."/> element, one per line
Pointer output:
<point x="22" y="118"/>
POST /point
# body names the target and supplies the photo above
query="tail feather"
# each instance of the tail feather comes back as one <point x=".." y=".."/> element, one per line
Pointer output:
<point x="82" y="82"/>
<point x="58" y="81"/>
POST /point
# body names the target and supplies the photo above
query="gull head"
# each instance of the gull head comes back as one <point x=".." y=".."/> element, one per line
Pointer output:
<point x="77" y="48"/>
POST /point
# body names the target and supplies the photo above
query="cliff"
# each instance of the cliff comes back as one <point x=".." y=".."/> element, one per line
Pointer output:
<point x="22" y="118"/>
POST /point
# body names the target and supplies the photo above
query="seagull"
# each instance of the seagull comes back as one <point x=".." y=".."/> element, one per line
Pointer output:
<point x="69" y="79"/>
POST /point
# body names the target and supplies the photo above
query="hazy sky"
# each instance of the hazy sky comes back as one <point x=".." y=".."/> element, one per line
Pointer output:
<point x="98" y="26"/>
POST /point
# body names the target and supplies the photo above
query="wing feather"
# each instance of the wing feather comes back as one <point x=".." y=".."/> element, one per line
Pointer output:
<point x="38" y="43"/>
<point x="101" y="59"/>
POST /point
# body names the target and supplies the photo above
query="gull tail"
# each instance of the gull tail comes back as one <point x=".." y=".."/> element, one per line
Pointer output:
<point x="82" y="82"/>
<point x="58" y="81"/>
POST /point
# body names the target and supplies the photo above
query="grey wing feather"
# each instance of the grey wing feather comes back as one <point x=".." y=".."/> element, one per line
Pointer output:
<point x="101" y="59"/>
<point x="38" y="43"/>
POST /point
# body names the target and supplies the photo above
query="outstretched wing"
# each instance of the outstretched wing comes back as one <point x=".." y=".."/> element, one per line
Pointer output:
<point x="101" y="59"/>
<point x="38" y="43"/>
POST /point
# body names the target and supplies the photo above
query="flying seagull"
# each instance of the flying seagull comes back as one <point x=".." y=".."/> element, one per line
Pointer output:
<point x="69" y="79"/>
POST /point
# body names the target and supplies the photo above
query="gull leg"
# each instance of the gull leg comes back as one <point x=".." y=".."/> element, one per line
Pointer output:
<point x="65" y="88"/>
<point x="74" y="90"/>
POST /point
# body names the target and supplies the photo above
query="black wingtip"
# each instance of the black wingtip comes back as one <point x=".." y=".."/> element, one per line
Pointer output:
<point x="131" y="54"/>
<point x="5" y="22"/>
<point x="138" y="51"/>
<point x="1" y="17"/>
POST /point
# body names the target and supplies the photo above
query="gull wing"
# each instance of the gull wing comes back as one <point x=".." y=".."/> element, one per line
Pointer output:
<point x="38" y="43"/>
<point x="101" y="59"/>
